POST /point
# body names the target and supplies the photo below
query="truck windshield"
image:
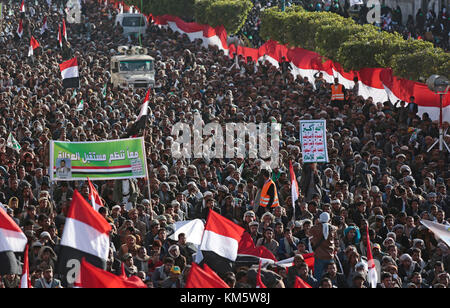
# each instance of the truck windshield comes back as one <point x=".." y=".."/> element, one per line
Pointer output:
<point x="137" y="21"/>
<point x="136" y="65"/>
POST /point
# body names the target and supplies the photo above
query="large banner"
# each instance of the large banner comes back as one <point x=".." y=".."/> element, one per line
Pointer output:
<point x="100" y="160"/>
<point x="313" y="138"/>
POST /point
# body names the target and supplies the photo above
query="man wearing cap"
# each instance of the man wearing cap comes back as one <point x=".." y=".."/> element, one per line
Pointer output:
<point x="174" y="280"/>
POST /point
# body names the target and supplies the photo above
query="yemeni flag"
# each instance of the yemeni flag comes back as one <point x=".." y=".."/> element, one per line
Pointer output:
<point x="259" y="283"/>
<point x="70" y="74"/>
<point x="33" y="45"/>
<point x="59" y="36"/>
<point x="199" y="278"/>
<point x="96" y="201"/>
<point x="64" y="31"/>
<point x="144" y="106"/>
<point x="25" y="281"/>
<point x="20" y="29"/>
<point x="301" y="284"/>
<point x="85" y="235"/>
<point x="44" y="25"/>
<point x="22" y="7"/>
<point x="372" y="276"/>
<point x="220" y="242"/>
<point x="12" y="240"/>
<point x="294" y="188"/>
<point x="96" y="278"/>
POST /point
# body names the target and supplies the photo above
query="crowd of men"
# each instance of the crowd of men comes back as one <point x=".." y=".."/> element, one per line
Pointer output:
<point x="426" y="24"/>
<point x="380" y="173"/>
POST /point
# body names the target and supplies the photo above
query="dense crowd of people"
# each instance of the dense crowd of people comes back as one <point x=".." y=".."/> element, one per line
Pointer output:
<point x="380" y="173"/>
<point x="427" y="25"/>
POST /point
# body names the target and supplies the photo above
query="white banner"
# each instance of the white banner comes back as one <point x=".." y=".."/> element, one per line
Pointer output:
<point x="313" y="138"/>
<point x="440" y="230"/>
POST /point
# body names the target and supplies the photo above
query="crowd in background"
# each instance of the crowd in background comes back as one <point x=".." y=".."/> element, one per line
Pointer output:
<point x="427" y="25"/>
<point x="380" y="173"/>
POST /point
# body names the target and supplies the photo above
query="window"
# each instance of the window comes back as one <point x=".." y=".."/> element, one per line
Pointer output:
<point x="137" y="21"/>
<point x="136" y="65"/>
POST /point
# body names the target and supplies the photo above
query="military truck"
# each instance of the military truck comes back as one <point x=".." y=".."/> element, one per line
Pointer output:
<point x="132" y="68"/>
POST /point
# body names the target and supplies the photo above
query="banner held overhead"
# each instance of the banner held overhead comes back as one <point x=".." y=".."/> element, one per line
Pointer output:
<point x="100" y="160"/>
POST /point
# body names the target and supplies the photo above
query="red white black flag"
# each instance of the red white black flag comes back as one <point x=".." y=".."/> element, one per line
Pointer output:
<point x="70" y="74"/>
<point x="12" y="240"/>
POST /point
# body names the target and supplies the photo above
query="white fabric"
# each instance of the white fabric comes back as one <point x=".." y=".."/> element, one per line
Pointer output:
<point x="324" y="218"/>
<point x="83" y="237"/>
<point x="226" y="247"/>
<point x="193" y="229"/>
<point x="12" y="240"/>
<point x="441" y="231"/>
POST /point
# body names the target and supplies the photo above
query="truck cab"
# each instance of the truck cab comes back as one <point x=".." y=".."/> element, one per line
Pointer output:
<point x="132" y="68"/>
<point x="132" y="23"/>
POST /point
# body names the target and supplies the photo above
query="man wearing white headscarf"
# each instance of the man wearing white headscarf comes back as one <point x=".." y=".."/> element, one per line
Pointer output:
<point x="323" y="244"/>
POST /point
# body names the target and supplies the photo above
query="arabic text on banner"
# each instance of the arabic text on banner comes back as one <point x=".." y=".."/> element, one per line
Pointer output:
<point x="313" y="138"/>
<point x="104" y="160"/>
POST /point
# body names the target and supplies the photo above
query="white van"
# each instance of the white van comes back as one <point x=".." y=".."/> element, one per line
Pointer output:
<point x="132" y="23"/>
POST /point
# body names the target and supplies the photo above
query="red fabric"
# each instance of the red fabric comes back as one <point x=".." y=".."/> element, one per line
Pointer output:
<point x="93" y="194"/>
<point x="218" y="224"/>
<point x="7" y="223"/>
<point x="309" y="259"/>
<point x="82" y="211"/>
<point x="247" y="247"/>
<point x="259" y="283"/>
<point x="26" y="268"/>
<point x="301" y="284"/>
<point x="305" y="59"/>
<point x="33" y="43"/>
<point x="94" y="277"/>
<point x="203" y="278"/>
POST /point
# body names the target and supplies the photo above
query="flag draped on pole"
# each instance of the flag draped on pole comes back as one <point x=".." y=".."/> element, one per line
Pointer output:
<point x="33" y="45"/>
<point x="12" y="143"/>
<point x="259" y="283"/>
<point x="22" y="7"/>
<point x="203" y="278"/>
<point x="86" y="234"/>
<point x="294" y="188"/>
<point x="12" y="240"/>
<point x="96" y="201"/>
<point x="372" y="276"/>
<point x="440" y="230"/>
<point x="70" y="74"/>
<point x="25" y="281"/>
<point x="20" y="29"/>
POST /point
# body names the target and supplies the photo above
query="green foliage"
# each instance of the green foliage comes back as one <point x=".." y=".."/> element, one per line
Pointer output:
<point x="352" y="45"/>
<point x="421" y="63"/>
<point x="232" y="14"/>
